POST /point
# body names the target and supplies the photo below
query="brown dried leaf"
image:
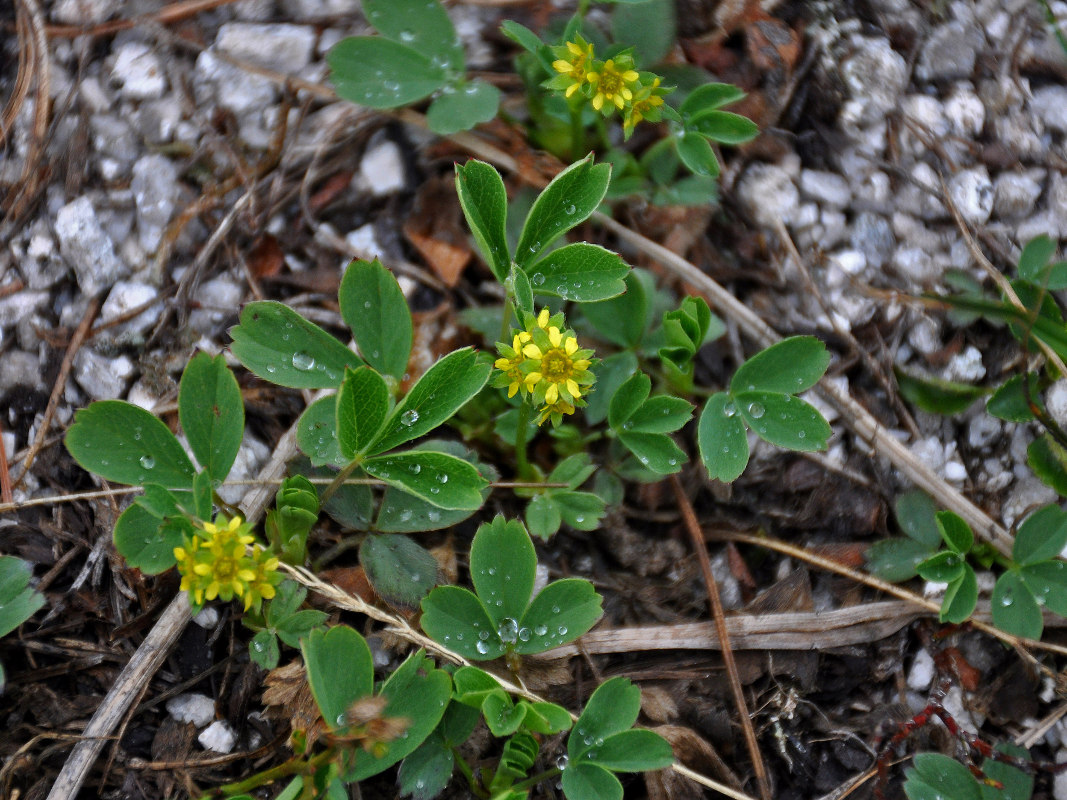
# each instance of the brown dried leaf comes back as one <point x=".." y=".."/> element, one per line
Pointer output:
<point x="266" y="257"/>
<point x="658" y="704"/>
<point x="434" y="228"/>
<point x="352" y="580"/>
<point x="288" y="696"/>
<point x="697" y="754"/>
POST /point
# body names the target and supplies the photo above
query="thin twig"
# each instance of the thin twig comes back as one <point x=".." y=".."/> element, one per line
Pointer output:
<point x="700" y="547"/>
<point x="6" y="494"/>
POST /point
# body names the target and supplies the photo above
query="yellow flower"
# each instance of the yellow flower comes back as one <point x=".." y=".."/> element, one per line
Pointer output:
<point x="555" y="412"/>
<point x="261" y="586"/>
<point x="511" y="361"/>
<point x="560" y="369"/>
<point x="573" y="63"/>
<point x="610" y="84"/>
<point x="643" y="106"/>
<point x="187" y="557"/>
<point x="215" y="563"/>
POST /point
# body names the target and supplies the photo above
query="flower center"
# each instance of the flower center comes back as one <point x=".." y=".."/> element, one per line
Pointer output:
<point x="556" y="365"/>
<point x="225" y="569"/>
<point x="610" y="83"/>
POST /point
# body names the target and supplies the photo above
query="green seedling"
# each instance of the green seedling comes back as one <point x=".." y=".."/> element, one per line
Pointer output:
<point x="18" y="600"/>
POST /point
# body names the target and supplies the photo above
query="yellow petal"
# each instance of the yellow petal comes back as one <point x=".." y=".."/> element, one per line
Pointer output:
<point x="571" y="345"/>
<point x="581" y="365"/>
<point x="630" y="76"/>
<point x="562" y="66"/>
<point x="575" y="48"/>
<point x="542" y="318"/>
<point x="533" y="378"/>
<point x="502" y="363"/>
<point x="513" y="388"/>
<point x="552" y="393"/>
<point x="554" y="336"/>
<point x="598" y="101"/>
<point x="572" y="387"/>
<point x="532" y="351"/>
<point x="571" y="89"/>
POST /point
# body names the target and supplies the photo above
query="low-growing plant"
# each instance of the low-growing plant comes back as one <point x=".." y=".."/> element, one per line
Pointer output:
<point x="18" y="599"/>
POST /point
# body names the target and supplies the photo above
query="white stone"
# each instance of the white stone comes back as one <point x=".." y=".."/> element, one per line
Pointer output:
<point x="1015" y="194"/>
<point x="232" y="88"/>
<point x="983" y="429"/>
<point x="915" y="264"/>
<point x="768" y="195"/>
<point x="364" y="241"/>
<point x="83" y="12"/>
<point x="925" y="336"/>
<point x="965" y="367"/>
<point x="155" y="195"/>
<point x="1028" y="493"/>
<point x="138" y="72"/>
<point x="93" y="96"/>
<point x="281" y="47"/>
<point x="219" y="299"/>
<point x="1056" y="402"/>
<point x="972" y="192"/>
<point x="21" y="305"/>
<point x="124" y="297"/>
<point x="198" y="709"/>
<point x="955" y="472"/>
<point x="218" y="737"/>
<point x="875" y="76"/>
<point x="968" y="719"/>
<point x="87" y="247"/>
<point x="382" y="168"/>
<point x="102" y="378"/>
<point x="949" y="52"/>
<point x="1059" y="780"/>
<point x="921" y="196"/>
<point x="927" y="115"/>
<point x="207" y="618"/>
<point x="921" y="674"/>
<point x="965" y="112"/>
<point x="541" y="577"/>
<point x="826" y="188"/>
<point x="1050" y="105"/>
<point x="250" y="457"/>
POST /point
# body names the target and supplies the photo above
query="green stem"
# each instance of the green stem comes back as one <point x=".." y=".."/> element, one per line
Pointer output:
<point x="294" y="766"/>
<point x="521" y="462"/>
<point x="529" y="783"/>
<point x="337" y="482"/>
<point x="505" y="319"/>
<point x="468" y="773"/>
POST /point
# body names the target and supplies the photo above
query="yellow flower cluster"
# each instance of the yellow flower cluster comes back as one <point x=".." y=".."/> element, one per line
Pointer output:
<point x="214" y="563"/>
<point x="607" y="85"/>
<point x="545" y="363"/>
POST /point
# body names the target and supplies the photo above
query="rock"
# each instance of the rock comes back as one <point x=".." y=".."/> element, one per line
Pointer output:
<point x="138" y="72"/>
<point x="157" y="120"/>
<point x="921" y="196"/>
<point x="983" y="429"/>
<point x="768" y="195"/>
<point x="382" y="168"/>
<point x="83" y="12"/>
<point x="968" y="719"/>
<point x="1057" y="200"/>
<point x="972" y="192"/>
<point x="230" y="87"/>
<point x="921" y="674"/>
<point x="252" y="455"/>
<point x="19" y="368"/>
<point x="155" y="193"/>
<point x="281" y="47"/>
<point x="102" y="378"/>
<point x="86" y="247"/>
<point x="1050" y="104"/>
<point x="207" y="617"/>
<point x="875" y="76"/>
<point x="125" y="296"/>
<point x="1019" y="135"/>
<point x="1015" y="194"/>
<point x="825" y="188"/>
<point x="925" y="336"/>
<point x="1027" y="494"/>
<point x="219" y="299"/>
<point x="198" y="709"/>
<point x="93" y="97"/>
<point x="964" y="112"/>
<point x="927" y="115"/>
<point x="469" y="22"/>
<point x="114" y="138"/>
<point x="834" y="228"/>
<point x="254" y="10"/>
<point x="364" y="241"/>
<point x="955" y="472"/>
<point x="1059" y="780"/>
<point x="965" y="367"/>
<point x="21" y="305"/>
<point x="305" y="10"/>
<point x="873" y="236"/>
<point x="1056" y="402"/>
<point x="950" y="52"/>
<point x="218" y="737"/>
<point x="915" y="265"/>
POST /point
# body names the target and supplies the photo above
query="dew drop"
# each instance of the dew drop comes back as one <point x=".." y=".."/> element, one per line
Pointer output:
<point x="562" y="630"/>
<point x="537" y="279"/>
<point x="483" y="635"/>
<point x="366" y="303"/>
<point x="729" y="409"/>
<point x="271" y="368"/>
<point x="541" y="630"/>
<point x="409" y="417"/>
<point x="570" y="209"/>
<point x="405" y="515"/>
<point x="802" y="435"/>
<point x="561" y="762"/>
<point x="555" y="609"/>
<point x="756" y="410"/>
<point x="415" y="469"/>
<point x="524" y="634"/>
<point x="433" y="516"/>
<point x="302" y="361"/>
<point x="1007" y="600"/>
<point x="407" y="36"/>
<point x="147" y="461"/>
<point x="508" y="630"/>
<point x="435" y="490"/>
<point x="442" y="477"/>
<point x="482" y="648"/>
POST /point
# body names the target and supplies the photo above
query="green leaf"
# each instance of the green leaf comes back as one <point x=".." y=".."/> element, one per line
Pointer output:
<point x="263" y="650"/>
<point x="574" y="470"/>
<point x="1015" y="607"/>
<point x="275" y="343"/>
<point x="340" y="670"/>
<point x="628" y="399"/>
<point x="583" y="511"/>
<point x="656" y="451"/>
<point x="438" y="478"/>
<point x="896" y="559"/>
<point x="710" y="96"/>
<point x="362" y="403"/>
<point x="380" y="73"/>
<point x="543" y="517"/>
<point x="587" y="781"/>
<point x="611" y="709"/>
<point x="632" y="751"/>
<point x="724" y="127"/>
<point x="18" y="600"/>
<point x="561" y="612"/>
<point x="123" y="443"/>
<point x="961" y="596"/>
<point x="783" y="420"/>
<point x="439" y="393"/>
<point x="568" y="200"/>
<point x="417" y="691"/>
<point x="621" y="320"/>
<point x="211" y="413"/>
<point x="426" y="772"/>
<point x="697" y="155"/>
<point x="1048" y="460"/>
<point x="611" y="373"/>
<point x="1034" y="261"/>
<point x="955" y="531"/>
<point x="422" y="25"/>
<point x="722" y="439"/>
<point x="502" y="716"/>
<point x="1017" y="785"/>
<point x="456" y="618"/>
<point x="1010" y="402"/>
<point x="146" y="540"/>
<point x="524" y="292"/>
<point x="937" y="395"/>
<point x="942" y="567"/>
<point x="485" y="205"/>
<point x="791" y="366"/>
<point x="1048" y="583"/>
<point x="400" y="571"/>
<point x="373" y="306"/>
<point x="917" y="517"/>
<point x="522" y="36"/>
<point x="503" y="565"/>
<point x="582" y="272"/>
<point x="1042" y="536"/>
<point x="547" y="718"/>
<point x="467" y="105"/>
<point x="296" y="626"/>
<point x="660" y="414"/>
<point x="685" y="329"/>
<point x="648" y="27"/>
<point x="937" y="776"/>
<point x="458" y="722"/>
<point x="316" y="433"/>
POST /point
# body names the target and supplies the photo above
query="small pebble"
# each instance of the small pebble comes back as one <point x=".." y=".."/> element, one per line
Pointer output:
<point x="382" y="168"/>
<point x="138" y="72"/>
<point x="921" y="674"/>
<point x="218" y="737"/>
<point x="198" y="709"/>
